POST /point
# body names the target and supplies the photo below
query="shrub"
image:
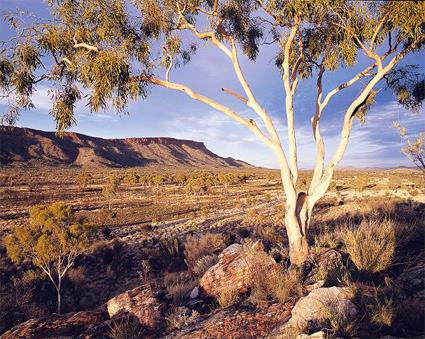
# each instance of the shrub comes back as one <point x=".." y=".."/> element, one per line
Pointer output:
<point x="180" y="179"/>
<point x="180" y="317"/>
<point x="158" y="180"/>
<point x="127" y="328"/>
<point x="197" y="186"/>
<point x="197" y="247"/>
<point x="132" y="178"/>
<point x="371" y="246"/>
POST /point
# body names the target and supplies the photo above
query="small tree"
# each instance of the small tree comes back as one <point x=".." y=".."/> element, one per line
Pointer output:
<point x="414" y="148"/>
<point x="52" y="240"/>
<point x="109" y="190"/>
<point x="158" y="180"/>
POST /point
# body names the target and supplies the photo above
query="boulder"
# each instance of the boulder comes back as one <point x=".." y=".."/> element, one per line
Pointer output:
<point x="317" y="335"/>
<point x="236" y="323"/>
<point x="234" y="269"/>
<point x="314" y="311"/>
<point x="71" y="325"/>
<point x="195" y="293"/>
<point x="140" y="303"/>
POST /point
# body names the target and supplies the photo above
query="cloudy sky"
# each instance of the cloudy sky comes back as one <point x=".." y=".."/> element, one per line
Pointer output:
<point x="172" y="114"/>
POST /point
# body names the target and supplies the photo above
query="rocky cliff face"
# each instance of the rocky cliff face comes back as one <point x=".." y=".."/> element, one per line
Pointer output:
<point x="29" y="146"/>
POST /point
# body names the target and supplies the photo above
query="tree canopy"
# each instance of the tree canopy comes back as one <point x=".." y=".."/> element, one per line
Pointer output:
<point x="114" y="49"/>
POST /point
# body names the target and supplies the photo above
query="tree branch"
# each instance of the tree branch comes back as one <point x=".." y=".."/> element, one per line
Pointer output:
<point x="320" y="146"/>
<point x="288" y="182"/>
<point x="289" y="104"/>
<point x="86" y="46"/>
<point x="236" y="95"/>
<point x="346" y="84"/>
<point x="349" y="117"/>
<point x="248" y="123"/>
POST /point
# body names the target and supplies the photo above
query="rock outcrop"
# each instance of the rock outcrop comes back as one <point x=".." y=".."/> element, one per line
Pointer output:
<point x="313" y="311"/>
<point x="234" y="323"/>
<point x="234" y="270"/>
<point x="71" y="325"/>
<point x="140" y="303"/>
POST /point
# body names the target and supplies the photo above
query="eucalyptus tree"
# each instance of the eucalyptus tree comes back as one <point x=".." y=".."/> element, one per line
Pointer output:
<point x="115" y="50"/>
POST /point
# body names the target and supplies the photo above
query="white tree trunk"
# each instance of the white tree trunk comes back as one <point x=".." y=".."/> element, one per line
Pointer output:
<point x="297" y="220"/>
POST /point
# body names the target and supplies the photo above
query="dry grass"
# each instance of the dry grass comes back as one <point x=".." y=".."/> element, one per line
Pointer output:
<point x="180" y="317"/>
<point x="125" y="329"/>
<point x="340" y="326"/>
<point x="371" y="246"/>
<point x="179" y="285"/>
<point x="381" y="313"/>
<point x="203" y="264"/>
<point x="227" y="297"/>
<point x="273" y="284"/>
<point x="197" y="247"/>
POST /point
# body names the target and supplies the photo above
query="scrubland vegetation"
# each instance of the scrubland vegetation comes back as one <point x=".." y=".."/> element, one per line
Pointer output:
<point x="165" y="229"/>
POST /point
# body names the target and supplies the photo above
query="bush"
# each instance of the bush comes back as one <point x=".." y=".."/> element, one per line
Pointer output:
<point x="132" y="178"/>
<point x="274" y="284"/>
<point x="372" y="245"/>
<point x="196" y="186"/>
<point x="197" y="247"/>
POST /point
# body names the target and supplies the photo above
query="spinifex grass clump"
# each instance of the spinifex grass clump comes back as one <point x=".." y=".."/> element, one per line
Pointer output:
<point x="372" y="245"/>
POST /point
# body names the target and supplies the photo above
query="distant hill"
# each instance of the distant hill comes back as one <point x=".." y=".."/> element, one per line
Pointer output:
<point x="26" y="146"/>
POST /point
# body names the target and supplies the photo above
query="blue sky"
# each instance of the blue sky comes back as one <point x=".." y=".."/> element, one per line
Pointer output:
<point x="168" y="113"/>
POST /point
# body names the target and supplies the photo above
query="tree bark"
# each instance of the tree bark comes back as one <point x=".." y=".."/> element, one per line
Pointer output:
<point x="297" y="220"/>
